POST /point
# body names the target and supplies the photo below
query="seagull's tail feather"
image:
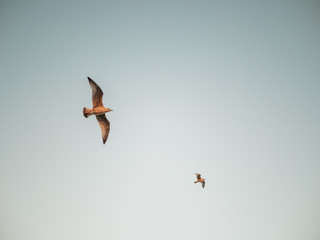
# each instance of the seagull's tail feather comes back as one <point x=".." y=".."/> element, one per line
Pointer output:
<point x="86" y="112"/>
<point x="195" y="181"/>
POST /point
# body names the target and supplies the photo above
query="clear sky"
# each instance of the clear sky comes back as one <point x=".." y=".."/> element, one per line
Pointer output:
<point x="229" y="89"/>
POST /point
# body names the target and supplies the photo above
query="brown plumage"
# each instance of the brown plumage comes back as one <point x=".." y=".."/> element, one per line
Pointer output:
<point x="199" y="179"/>
<point x="98" y="109"/>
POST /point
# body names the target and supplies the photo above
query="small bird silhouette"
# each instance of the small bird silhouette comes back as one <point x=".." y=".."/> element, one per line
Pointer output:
<point x="199" y="179"/>
<point x="98" y="109"/>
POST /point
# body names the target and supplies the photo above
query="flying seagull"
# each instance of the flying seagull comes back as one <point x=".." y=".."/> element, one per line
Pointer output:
<point x="98" y="109"/>
<point x="199" y="179"/>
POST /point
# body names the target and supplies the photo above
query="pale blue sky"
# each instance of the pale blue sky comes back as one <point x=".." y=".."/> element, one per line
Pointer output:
<point x="229" y="89"/>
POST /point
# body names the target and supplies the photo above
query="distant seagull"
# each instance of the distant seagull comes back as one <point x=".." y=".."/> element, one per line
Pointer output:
<point x="98" y="109"/>
<point x="199" y="179"/>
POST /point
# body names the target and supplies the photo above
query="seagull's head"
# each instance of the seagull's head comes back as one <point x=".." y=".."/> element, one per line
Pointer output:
<point x="108" y="110"/>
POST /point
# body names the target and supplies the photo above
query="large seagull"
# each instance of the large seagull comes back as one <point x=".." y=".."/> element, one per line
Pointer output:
<point x="98" y="109"/>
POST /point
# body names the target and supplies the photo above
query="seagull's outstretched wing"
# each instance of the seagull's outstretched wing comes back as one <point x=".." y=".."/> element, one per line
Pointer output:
<point x="198" y="175"/>
<point x="97" y="93"/>
<point x="203" y="183"/>
<point x="104" y="125"/>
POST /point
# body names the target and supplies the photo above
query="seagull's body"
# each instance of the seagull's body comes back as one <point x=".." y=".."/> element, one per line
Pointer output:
<point x="98" y="109"/>
<point x="199" y="179"/>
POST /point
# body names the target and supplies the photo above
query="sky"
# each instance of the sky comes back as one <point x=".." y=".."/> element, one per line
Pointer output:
<point x="228" y="89"/>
